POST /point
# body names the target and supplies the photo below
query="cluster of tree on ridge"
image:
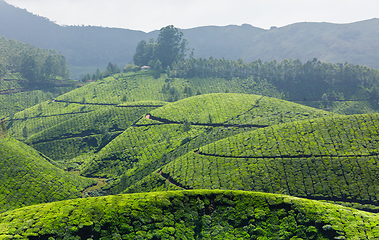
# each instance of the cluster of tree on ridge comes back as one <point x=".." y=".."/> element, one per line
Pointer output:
<point x="316" y="82"/>
<point x="98" y="75"/>
<point x="33" y="63"/>
<point x="169" y="47"/>
<point x="321" y="81"/>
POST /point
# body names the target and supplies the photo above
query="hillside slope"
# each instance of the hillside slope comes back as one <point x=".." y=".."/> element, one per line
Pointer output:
<point x="119" y="89"/>
<point x="201" y="214"/>
<point x="332" y="158"/>
<point x="89" y="132"/>
<point x="27" y="177"/>
<point x="173" y="130"/>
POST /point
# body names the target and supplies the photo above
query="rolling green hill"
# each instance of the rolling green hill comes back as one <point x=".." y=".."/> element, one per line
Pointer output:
<point x="180" y="127"/>
<point x="128" y="88"/>
<point x="333" y="158"/>
<point x="205" y="123"/>
<point x="201" y="214"/>
<point x="27" y="177"/>
<point x="90" y="131"/>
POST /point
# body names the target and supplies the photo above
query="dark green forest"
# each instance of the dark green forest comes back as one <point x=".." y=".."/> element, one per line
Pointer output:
<point x="309" y="81"/>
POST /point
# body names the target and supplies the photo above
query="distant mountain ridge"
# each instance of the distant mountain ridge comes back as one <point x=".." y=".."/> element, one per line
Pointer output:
<point x="88" y="46"/>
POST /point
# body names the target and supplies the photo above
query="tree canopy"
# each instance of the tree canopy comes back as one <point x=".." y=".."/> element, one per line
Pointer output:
<point x="169" y="47"/>
<point x="33" y="63"/>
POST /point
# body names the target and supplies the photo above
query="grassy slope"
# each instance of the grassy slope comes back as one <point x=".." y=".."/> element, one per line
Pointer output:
<point x="152" y="143"/>
<point x="331" y="158"/>
<point x="15" y="102"/>
<point x="27" y="178"/>
<point x="118" y="89"/>
<point x="190" y="215"/>
<point x="141" y="86"/>
<point x="88" y="132"/>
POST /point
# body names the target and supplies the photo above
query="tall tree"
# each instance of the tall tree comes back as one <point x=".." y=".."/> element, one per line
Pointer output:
<point x="29" y="68"/>
<point x="171" y="46"/>
<point x="144" y="52"/>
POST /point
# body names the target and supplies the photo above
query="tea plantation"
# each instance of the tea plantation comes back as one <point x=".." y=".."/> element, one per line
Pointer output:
<point x="243" y="164"/>
<point x="180" y="127"/>
<point x="200" y="214"/>
<point x="332" y="158"/>
<point x="27" y="177"/>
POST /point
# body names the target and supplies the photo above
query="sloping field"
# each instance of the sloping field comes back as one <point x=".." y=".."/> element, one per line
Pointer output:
<point x="18" y="101"/>
<point x="333" y="158"/>
<point x="46" y="118"/>
<point x="189" y="215"/>
<point x="27" y="178"/>
<point x="88" y="132"/>
<point x="177" y="128"/>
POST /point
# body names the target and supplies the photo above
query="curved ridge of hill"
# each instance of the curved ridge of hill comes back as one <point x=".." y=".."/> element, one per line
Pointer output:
<point x="120" y="90"/>
<point x="177" y="128"/>
<point x="27" y="178"/>
<point x="213" y="214"/>
<point x="333" y="158"/>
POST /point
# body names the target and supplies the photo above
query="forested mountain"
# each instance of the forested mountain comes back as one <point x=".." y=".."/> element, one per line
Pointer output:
<point x="93" y="47"/>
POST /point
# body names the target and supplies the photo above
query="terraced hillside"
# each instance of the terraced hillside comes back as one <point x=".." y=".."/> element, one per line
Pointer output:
<point x="333" y="158"/>
<point x="88" y="132"/>
<point x="143" y="85"/>
<point x="115" y="90"/>
<point x="180" y="127"/>
<point x="15" y="102"/>
<point x="27" y="177"/>
<point x="201" y="214"/>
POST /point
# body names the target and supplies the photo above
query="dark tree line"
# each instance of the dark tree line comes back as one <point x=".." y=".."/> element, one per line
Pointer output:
<point x="98" y="75"/>
<point x="299" y="81"/>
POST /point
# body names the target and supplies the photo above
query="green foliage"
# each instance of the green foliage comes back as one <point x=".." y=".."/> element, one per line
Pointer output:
<point x="3" y="129"/>
<point x="87" y="132"/>
<point x="177" y="128"/>
<point x="331" y="84"/>
<point x="110" y="70"/>
<point x="169" y="47"/>
<point x="326" y="158"/>
<point x="189" y="215"/>
<point x="114" y="90"/>
<point x="144" y="53"/>
<point x="33" y="63"/>
<point x="27" y="177"/>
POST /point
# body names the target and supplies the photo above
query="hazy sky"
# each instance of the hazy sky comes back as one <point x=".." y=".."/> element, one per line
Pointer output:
<point x="151" y="15"/>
